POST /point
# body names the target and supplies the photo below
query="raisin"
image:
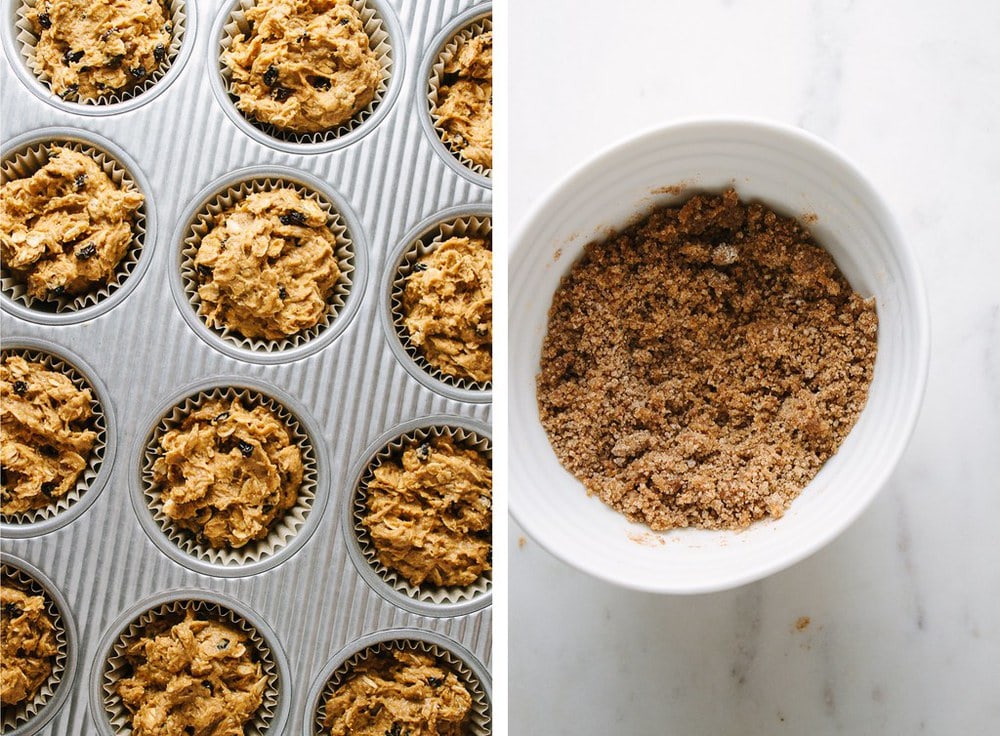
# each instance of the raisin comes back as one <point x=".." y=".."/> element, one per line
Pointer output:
<point x="318" y="82"/>
<point x="116" y="61"/>
<point x="208" y="684"/>
<point x="20" y="387"/>
<point x="58" y="291"/>
<point x="344" y="21"/>
<point x="245" y="448"/>
<point x="138" y="72"/>
<point x="395" y="730"/>
<point x="48" y="451"/>
<point x="304" y="38"/>
<point x="107" y="34"/>
<point x="282" y="93"/>
<point x="44" y="20"/>
<point x="12" y="610"/>
<point x="204" y="270"/>
<point x="159" y="53"/>
<point x="223" y="644"/>
<point x="423" y="452"/>
<point x="71" y="57"/>
<point x="221" y="417"/>
<point x="271" y="75"/>
<point x="168" y="27"/>
<point x="292" y="218"/>
<point x="435" y="681"/>
<point x="282" y="293"/>
<point x="70" y="91"/>
<point x="48" y="486"/>
<point x="420" y="267"/>
<point x="87" y="251"/>
<point x="189" y="730"/>
<point x="80" y="181"/>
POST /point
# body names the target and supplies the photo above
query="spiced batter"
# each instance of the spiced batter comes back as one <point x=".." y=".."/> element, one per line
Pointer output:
<point x="28" y="645"/>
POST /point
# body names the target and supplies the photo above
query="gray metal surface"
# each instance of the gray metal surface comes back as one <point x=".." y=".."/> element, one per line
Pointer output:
<point x="144" y="351"/>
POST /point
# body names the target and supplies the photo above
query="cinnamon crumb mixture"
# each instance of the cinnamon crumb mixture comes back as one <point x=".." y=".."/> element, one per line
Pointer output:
<point x="701" y="366"/>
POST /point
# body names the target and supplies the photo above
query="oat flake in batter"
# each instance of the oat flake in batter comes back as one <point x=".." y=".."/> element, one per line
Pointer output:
<point x="305" y="66"/>
<point x="65" y="228"/>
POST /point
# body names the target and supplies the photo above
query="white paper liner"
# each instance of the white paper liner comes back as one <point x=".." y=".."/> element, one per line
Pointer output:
<point x="14" y="716"/>
<point x="379" y="42"/>
<point x="23" y="163"/>
<point x="117" y="667"/>
<point x="207" y="218"/>
<point x="428" y="593"/>
<point x="98" y="424"/>
<point x="447" y="52"/>
<point x="466" y="226"/>
<point x="25" y="36"/>
<point x="283" y="531"/>
<point x="480" y="720"/>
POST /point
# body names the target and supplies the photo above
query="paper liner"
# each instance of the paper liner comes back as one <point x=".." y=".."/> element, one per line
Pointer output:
<point x="283" y="531"/>
<point x="207" y="218"/>
<point x="24" y="162"/>
<point x="472" y="226"/>
<point x="379" y="42"/>
<point x="98" y="423"/>
<point x="26" y="38"/>
<point x="444" y="55"/>
<point x="117" y="667"/>
<point x="480" y="720"/>
<point x="14" y="716"/>
<point x="427" y="593"/>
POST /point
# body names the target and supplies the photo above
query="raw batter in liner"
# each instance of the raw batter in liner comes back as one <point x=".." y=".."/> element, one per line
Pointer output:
<point x="448" y="307"/>
<point x="464" y="112"/>
<point x="430" y="513"/>
<point x="268" y="268"/>
<point x="306" y="65"/>
<point x="92" y="49"/>
<point x="403" y="693"/>
<point x="65" y="228"/>
<point x="195" y="678"/>
<point x="46" y="436"/>
<point x="228" y="473"/>
<point x="28" y="644"/>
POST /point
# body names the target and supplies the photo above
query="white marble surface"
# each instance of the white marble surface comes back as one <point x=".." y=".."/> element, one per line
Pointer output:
<point x="904" y="608"/>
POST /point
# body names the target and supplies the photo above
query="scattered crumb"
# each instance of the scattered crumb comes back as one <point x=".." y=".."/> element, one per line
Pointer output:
<point x="521" y="541"/>
<point x="803" y="623"/>
<point x="557" y="255"/>
<point x="672" y="189"/>
<point x="809" y="218"/>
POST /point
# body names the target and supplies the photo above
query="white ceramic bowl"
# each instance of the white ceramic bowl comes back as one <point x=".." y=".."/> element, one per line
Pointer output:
<point x="797" y="175"/>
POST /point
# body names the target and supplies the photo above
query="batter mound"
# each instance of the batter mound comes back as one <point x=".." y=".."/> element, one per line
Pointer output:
<point x="268" y="267"/>
<point x="28" y="643"/>
<point x="430" y="513"/>
<point x="195" y="678"/>
<point x="45" y="429"/>
<point x="94" y="49"/>
<point x="448" y="308"/>
<point x="404" y="693"/>
<point x="306" y="65"/>
<point x="65" y="228"/>
<point x="228" y="473"/>
<point x="464" y="112"/>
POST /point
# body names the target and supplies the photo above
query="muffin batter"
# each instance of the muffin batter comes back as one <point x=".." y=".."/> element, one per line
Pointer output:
<point x="64" y="229"/>
<point x="92" y="49"/>
<point x="464" y="112"/>
<point x="46" y="437"/>
<point x="197" y="677"/>
<point x="306" y="65"/>
<point x="430" y="513"/>
<point x="702" y="365"/>
<point x="405" y="693"/>
<point x="267" y="269"/>
<point x="28" y="644"/>
<point x="448" y="308"/>
<point x="228" y="473"/>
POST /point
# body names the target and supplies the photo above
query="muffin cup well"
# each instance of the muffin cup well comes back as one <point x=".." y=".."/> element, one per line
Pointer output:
<point x="287" y="535"/>
<point x="21" y="46"/>
<point x="473" y="22"/>
<point x="351" y="254"/>
<point x="110" y="665"/>
<point x="30" y="717"/>
<point x="25" y="156"/>
<point x="386" y="40"/>
<point x="469" y="670"/>
<point x="101" y="459"/>
<point x="468" y="220"/>
<point x="428" y="600"/>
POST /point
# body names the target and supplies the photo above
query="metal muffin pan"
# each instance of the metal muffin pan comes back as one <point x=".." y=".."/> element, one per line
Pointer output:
<point x="178" y="139"/>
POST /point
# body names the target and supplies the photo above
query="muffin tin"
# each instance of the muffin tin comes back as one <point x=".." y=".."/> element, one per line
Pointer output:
<point x="348" y="388"/>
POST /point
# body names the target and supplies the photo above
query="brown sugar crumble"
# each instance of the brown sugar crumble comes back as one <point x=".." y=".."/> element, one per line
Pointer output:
<point x="702" y="365"/>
